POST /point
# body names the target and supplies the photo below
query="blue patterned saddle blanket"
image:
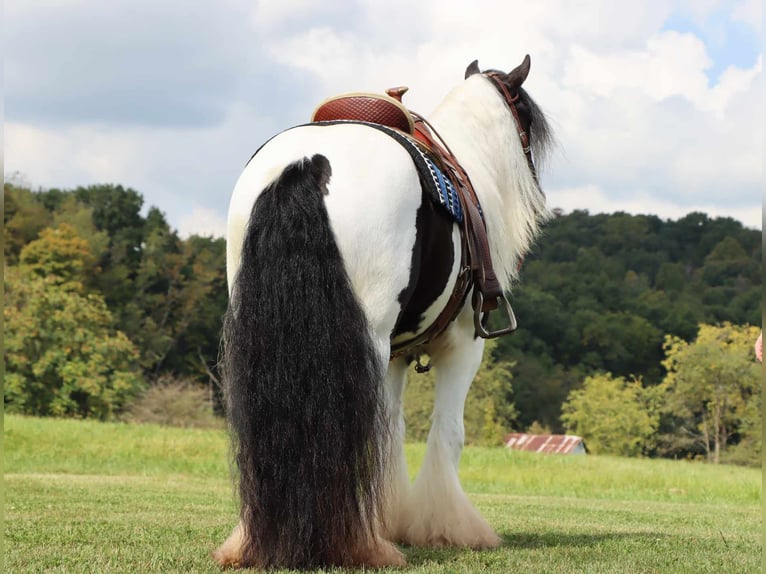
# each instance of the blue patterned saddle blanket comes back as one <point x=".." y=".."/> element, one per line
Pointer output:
<point x="439" y="186"/>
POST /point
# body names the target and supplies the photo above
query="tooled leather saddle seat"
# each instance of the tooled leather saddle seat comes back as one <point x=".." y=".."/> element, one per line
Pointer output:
<point x="386" y="110"/>
<point x="449" y="186"/>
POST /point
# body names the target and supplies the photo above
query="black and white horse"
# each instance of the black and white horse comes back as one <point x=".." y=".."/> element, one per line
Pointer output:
<point x="334" y="253"/>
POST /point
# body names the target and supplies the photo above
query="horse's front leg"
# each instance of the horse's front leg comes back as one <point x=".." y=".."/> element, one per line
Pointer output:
<point x="442" y="515"/>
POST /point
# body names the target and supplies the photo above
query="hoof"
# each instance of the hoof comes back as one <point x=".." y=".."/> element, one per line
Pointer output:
<point x="451" y="525"/>
<point x="229" y="555"/>
<point x="381" y="554"/>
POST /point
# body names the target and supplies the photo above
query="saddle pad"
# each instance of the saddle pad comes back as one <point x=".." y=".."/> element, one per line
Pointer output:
<point x="441" y="189"/>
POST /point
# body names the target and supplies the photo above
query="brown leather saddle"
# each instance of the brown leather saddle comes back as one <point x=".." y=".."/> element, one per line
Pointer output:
<point x="476" y="265"/>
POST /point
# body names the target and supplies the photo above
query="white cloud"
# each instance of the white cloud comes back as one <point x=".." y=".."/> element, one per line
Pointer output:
<point x="202" y="221"/>
<point x="669" y="64"/>
<point x="750" y="12"/>
<point x="274" y="13"/>
<point x="175" y="170"/>
<point x="123" y="62"/>
<point x="595" y="200"/>
<point x="68" y="156"/>
<point x="634" y="110"/>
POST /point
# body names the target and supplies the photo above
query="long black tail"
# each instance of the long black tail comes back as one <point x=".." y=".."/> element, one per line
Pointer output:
<point x="303" y="382"/>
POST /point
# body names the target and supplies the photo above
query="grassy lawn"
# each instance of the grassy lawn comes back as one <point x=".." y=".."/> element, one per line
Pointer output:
<point x="93" y="497"/>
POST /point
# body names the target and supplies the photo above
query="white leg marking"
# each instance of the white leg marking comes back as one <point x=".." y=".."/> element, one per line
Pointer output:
<point x="442" y="514"/>
<point x="398" y="504"/>
<point x="229" y="555"/>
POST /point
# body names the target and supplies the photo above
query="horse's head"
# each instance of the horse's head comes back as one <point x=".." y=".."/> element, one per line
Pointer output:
<point x="533" y="127"/>
<point x="500" y="136"/>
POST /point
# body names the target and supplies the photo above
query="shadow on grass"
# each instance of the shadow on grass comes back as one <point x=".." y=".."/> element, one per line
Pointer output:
<point x="557" y="539"/>
<point x="417" y="556"/>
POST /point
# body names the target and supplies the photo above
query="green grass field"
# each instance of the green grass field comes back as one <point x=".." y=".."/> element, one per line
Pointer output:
<point x="95" y="497"/>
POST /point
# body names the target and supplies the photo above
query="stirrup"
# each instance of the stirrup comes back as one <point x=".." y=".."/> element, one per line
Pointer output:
<point x="480" y="330"/>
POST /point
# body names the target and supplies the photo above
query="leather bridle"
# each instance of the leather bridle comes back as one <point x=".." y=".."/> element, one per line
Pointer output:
<point x="511" y="101"/>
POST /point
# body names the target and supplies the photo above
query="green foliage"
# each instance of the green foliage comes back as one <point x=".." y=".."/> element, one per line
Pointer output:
<point x="713" y="390"/>
<point x="537" y="428"/>
<point x="60" y="255"/>
<point x="613" y="415"/>
<point x="599" y="293"/>
<point x="24" y="215"/>
<point x="166" y="294"/>
<point x="72" y="212"/>
<point x="63" y="356"/>
<point x="180" y="297"/>
<point x="489" y="409"/>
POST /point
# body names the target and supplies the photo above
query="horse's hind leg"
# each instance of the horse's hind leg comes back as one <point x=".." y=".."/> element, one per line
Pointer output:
<point x="442" y="513"/>
<point x="229" y="554"/>
<point x="379" y="550"/>
<point x="397" y="503"/>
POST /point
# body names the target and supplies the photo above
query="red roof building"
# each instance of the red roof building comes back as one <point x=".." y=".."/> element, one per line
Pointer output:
<point x="548" y="443"/>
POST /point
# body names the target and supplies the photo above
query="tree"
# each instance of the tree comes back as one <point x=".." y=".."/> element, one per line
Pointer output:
<point x="712" y="384"/>
<point x="116" y="211"/>
<point x="179" y="299"/>
<point x="62" y="355"/>
<point x="622" y="343"/>
<point x="23" y="218"/>
<point x="600" y="293"/>
<point x="73" y="212"/>
<point x="61" y="255"/>
<point x="727" y="262"/>
<point x="613" y="415"/>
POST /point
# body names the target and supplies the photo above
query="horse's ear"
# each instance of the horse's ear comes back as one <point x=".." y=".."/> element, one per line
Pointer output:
<point x="517" y="76"/>
<point x="473" y="68"/>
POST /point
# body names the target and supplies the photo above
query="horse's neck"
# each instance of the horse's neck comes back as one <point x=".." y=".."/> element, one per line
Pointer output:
<point x="480" y="131"/>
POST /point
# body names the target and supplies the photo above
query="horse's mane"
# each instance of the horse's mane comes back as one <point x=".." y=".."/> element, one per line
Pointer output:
<point x="541" y="139"/>
<point x="466" y="117"/>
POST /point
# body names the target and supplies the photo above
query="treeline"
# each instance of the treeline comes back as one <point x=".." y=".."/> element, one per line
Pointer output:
<point x="104" y="301"/>
<point x="101" y="300"/>
<point x="600" y="293"/>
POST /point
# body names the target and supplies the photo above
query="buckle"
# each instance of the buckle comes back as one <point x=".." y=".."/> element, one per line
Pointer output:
<point x="477" y="317"/>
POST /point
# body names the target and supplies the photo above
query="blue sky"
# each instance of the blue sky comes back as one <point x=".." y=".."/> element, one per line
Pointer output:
<point x="653" y="103"/>
<point x="728" y="42"/>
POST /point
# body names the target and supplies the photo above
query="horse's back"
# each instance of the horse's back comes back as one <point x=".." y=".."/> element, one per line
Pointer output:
<point x="373" y="196"/>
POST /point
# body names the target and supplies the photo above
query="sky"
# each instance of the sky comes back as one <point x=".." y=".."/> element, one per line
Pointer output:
<point x="657" y="106"/>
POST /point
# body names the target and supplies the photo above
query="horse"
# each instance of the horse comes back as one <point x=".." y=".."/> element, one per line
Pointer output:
<point x="334" y="256"/>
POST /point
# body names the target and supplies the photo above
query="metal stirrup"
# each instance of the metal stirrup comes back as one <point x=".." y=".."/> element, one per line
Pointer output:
<point x="477" y="317"/>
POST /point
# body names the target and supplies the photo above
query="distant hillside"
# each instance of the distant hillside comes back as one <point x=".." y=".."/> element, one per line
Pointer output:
<point x="600" y="292"/>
